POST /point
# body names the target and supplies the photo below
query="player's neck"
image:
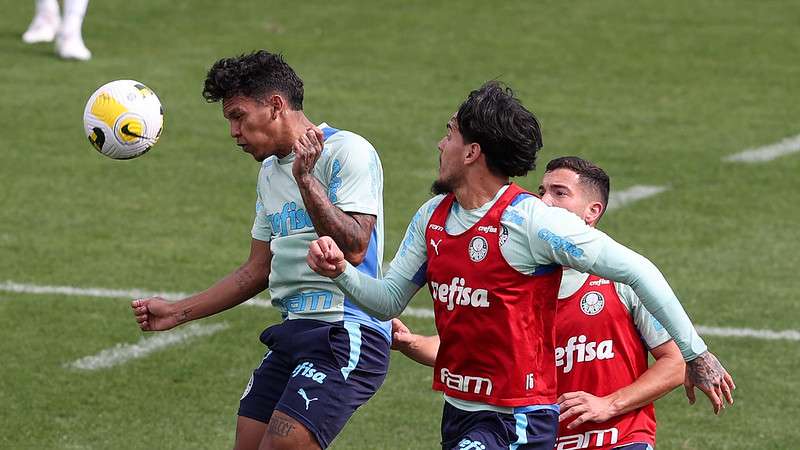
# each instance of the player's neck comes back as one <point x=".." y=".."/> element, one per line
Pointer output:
<point x="298" y="124"/>
<point x="479" y="189"/>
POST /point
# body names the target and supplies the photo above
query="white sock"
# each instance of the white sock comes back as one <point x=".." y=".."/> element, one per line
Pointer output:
<point x="74" y="11"/>
<point x="47" y="8"/>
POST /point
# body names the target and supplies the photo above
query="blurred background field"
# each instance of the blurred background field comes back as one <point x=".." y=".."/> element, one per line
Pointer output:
<point x="656" y="93"/>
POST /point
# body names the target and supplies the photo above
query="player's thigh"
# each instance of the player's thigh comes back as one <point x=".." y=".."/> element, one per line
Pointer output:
<point x="249" y="433"/>
<point x="265" y="388"/>
<point x="326" y="387"/>
<point x="286" y="433"/>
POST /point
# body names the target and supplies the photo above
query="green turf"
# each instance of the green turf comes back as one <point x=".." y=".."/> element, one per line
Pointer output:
<point x="657" y="93"/>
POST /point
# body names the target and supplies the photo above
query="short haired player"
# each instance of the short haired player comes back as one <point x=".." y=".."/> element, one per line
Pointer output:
<point x="327" y="357"/>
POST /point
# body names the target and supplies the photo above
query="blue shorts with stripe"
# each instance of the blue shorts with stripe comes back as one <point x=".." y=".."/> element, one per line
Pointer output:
<point x="317" y="372"/>
<point x="635" y="446"/>
<point x="532" y="428"/>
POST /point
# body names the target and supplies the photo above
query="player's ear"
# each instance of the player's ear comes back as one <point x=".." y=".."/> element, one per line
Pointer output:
<point x="473" y="153"/>
<point x="593" y="212"/>
<point x="278" y="105"/>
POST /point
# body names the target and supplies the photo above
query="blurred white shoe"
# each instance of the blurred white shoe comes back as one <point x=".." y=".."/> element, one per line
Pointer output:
<point x="43" y="28"/>
<point x="71" y="46"/>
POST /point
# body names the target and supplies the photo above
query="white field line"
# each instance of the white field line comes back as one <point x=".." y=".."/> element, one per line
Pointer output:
<point x="419" y="312"/>
<point x="8" y="286"/>
<point x="634" y="193"/>
<point x="768" y="152"/>
<point x="22" y="288"/>
<point x="122" y="353"/>
<point x="789" y="335"/>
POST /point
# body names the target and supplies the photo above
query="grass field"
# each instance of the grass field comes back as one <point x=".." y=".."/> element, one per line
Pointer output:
<point x="657" y="93"/>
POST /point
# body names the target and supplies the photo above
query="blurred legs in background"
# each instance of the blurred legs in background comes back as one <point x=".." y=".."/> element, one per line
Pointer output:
<point x="45" y="23"/>
<point x="48" y="25"/>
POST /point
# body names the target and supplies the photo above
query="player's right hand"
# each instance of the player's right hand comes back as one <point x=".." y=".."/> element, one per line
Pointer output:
<point x="402" y="338"/>
<point x="325" y="257"/>
<point x="422" y="349"/>
<point x="307" y="150"/>
<point x="154" y="314"/>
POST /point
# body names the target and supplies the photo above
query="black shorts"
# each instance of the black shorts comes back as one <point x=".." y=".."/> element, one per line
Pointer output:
<point x="317" y="372"/>
<point x="635" y="446"/>
<point x="528" y="429"/>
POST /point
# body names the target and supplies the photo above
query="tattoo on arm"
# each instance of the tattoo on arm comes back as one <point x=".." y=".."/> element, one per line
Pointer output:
<point x="183" y="316"/>
<point x="351" y="232"/>
<point x="244" y="279"/>
<point x="705" y="370"/>
<point x="280" y="427"/>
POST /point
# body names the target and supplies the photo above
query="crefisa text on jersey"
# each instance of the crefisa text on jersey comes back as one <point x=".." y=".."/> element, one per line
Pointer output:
<point x="458" y="293"/>
<point x="289" y="219"/>
<point x="578" y="350"/>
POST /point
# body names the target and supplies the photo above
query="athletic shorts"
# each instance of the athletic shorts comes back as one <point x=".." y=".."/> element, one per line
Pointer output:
<point x="635" y="446"/>
<point x="317" y="372"/>
<point x="488" y="430"/>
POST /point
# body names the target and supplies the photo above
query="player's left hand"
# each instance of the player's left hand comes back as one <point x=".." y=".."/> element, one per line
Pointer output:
<point x="307" y="150"/>
<point x="707" y="374"/>
<point x="587" y="408"/>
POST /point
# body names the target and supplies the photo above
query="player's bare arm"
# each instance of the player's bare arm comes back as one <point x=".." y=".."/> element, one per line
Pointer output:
<point x="703" y="369"/>
<point x="707" y="374"/>
<point x="660" y="378"/>
<point x="157" y="314"/>
<point x="351" y="231"/>
<point x="422" y="349"/>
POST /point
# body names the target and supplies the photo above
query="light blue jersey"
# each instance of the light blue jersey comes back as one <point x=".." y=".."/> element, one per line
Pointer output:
<point x="350" y="170"/>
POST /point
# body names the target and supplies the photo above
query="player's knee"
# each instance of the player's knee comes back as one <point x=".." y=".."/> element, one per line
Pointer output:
<point x="286" y="433"/>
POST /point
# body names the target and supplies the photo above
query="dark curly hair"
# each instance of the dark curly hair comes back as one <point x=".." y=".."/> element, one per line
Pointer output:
<point x="509" y="134"/>
<point x="255" y="76"/>
<point x="589" y="174"/>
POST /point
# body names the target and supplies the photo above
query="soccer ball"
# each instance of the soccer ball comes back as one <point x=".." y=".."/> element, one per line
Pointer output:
<point x="123" y="119"/>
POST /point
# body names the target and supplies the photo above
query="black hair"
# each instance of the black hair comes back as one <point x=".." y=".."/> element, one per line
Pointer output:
<point x="255" y="75"/>
<point x="509" y="134"/>
<point x="589" y="174"/>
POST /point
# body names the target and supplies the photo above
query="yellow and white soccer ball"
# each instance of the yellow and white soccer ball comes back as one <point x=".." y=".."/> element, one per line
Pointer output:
<point x="123" y="119"/>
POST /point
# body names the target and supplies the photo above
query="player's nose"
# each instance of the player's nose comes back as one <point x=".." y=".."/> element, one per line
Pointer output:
<point x="235" y="130"/>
